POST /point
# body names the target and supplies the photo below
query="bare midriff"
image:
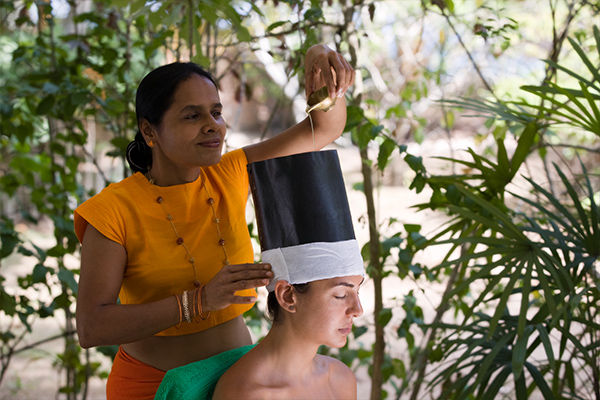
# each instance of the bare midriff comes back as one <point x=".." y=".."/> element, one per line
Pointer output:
<point x="168" y="352"/>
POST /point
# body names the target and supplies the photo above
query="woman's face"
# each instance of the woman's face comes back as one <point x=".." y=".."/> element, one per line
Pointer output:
<point x="192" y="130"/>
<point x="326" y="311"/>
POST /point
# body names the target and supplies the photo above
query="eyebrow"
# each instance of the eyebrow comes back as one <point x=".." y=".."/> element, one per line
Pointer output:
<point x="195" y="107"/>
<point x="348" y="284"/>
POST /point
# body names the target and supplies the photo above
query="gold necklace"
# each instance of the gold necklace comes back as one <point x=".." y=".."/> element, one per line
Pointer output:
<point x="180" y="240"/>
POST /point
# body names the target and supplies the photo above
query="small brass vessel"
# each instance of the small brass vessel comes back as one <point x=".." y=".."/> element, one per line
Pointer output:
<point x="320" y="100"/>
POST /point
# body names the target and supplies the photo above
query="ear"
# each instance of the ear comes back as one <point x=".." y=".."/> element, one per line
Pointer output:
<point x="147" y="130"/>
<point x="286" y="296"/>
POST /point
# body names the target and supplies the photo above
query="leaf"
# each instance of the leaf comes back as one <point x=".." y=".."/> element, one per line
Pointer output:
<point x="39" y="274"/>
<point x="50" y="88"/>
<point x="415" y="163"/>
<point x="491" y="391"/>
<point x="45" y="105"/>
<point x="10" y="240"/>
<point x="594" y="108"/>
<point x="385" y="315"/>
<point x="583" y="56"/>
<point x="385" y="151"/>
<point x="359" y="331"/>
<point x="8" y="303"/>
<point x="545" y="339"/>
<point x="519" y="353"/>
<point x="503" y="169"/>
<point x="68" y="277"/>
<point x="538" y="378"/>
<point x="276" y="25"/>
<point x="354" y="116"/>
<point x="524" y="146"/>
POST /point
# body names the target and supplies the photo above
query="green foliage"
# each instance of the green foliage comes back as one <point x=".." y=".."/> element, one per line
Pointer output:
<point x="529" y="276"/>
<point x="518" y="282"/>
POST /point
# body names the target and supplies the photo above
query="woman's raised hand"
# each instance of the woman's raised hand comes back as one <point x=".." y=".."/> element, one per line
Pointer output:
<point x="326" y="67"/>
<point x="219" y="292"/>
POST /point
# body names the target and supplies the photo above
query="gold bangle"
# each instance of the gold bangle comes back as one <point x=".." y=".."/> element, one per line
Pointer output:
<point x="180" y="315"/>
<point x="193" y="306"/>
<point x="186" y="308"/>
<point x="202" y="317"/>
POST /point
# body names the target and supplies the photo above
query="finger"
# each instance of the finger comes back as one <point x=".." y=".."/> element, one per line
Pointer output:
<point x="349" y="76"/>
<point x="234" y="268"/>
<point x="250" y="284"/>
<point x="314" y="77"/>
<point x="249" y="276"/>
<point x="325" y="65"/>
<point x="310" y="80"/>
<point x="243" y="299"/>
<point x="345" y="76"/>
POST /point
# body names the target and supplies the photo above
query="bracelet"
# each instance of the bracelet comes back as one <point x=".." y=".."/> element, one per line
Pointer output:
<point x="186" y="308"/>
<point x="202" y="317"/>
<point x="180" y="315"/>
<point x="193" y="306"/>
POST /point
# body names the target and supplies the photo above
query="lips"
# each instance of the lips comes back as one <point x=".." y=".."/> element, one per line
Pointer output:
<point x="347" y="330"/>
<point x="211" y="143"/>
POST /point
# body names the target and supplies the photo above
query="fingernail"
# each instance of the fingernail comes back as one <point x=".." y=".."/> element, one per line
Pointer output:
<point x="265" y="281"/>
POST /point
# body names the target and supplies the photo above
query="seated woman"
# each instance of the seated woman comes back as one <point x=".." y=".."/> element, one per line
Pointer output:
<point x="306" y="234"/>
<point x="285" y="364"/>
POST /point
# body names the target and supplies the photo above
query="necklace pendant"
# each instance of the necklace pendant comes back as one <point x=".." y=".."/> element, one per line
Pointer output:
<point x="196" y="284"/>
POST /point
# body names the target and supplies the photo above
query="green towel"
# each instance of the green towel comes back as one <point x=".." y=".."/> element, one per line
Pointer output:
<point x="198" y="380"/>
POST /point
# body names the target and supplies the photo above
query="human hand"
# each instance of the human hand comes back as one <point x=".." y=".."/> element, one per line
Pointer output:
<point x="219" y="292"/>
<point x="325" y="67"/>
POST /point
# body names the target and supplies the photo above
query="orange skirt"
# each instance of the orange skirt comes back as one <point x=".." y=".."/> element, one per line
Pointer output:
<point x="131" y="379"/>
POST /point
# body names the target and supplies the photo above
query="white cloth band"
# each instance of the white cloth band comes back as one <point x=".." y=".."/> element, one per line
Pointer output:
<point x="314" y="261"/>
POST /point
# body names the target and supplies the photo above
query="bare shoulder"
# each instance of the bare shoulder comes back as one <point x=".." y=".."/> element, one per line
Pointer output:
<point x="341" y="378"/>
<point x="242" y="381"/>
<point x="233" y="383"/>
<point x="235" y="386"/>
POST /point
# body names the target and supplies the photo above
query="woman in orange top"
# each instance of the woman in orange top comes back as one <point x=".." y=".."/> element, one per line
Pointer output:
<point x="166" y="262"/>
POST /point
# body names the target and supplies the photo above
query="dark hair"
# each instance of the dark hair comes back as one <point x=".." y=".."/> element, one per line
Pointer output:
<point x="273" y="307"/>
<point x="154" y="97"/>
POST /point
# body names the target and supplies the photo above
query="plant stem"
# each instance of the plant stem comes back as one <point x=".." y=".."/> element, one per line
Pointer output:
<point x="376" y="274"/>
<point x="421" y="361"/>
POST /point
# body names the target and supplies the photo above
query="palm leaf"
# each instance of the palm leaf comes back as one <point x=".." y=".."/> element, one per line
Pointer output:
<point x="492" y="389"/>
<point x="539" y="380"/>
<point x="582" y="54"/>
<point x="588" y="96"/>
<point x="571" y="73"/>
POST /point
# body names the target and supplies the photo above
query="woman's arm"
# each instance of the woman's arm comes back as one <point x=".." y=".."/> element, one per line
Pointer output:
<point x="101" y="321"/>
<point x="323" y="67"/>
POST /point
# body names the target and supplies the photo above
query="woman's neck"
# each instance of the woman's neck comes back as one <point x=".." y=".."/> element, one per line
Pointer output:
<point x="290" y="353"/>
<point x="165" y="177"/>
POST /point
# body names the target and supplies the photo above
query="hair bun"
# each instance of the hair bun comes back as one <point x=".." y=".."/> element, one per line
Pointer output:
<point x="138" y="154"/>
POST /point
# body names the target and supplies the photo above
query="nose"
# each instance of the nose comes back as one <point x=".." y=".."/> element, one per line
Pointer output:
<point x="356" y="309"/>
<point x="210" y="125"/>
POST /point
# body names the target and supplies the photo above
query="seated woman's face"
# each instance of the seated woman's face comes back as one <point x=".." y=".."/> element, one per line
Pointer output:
<point x="325" y="313"/>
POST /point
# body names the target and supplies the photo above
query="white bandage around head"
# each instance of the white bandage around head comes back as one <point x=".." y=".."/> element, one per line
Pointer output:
<point x="314" y="261"/>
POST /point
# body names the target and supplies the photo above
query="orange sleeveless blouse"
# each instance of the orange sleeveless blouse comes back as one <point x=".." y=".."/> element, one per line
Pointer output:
<point x="157" y="267"/>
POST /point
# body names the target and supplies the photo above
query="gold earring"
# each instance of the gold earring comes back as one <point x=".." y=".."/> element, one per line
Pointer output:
<point x="151" y="143"/>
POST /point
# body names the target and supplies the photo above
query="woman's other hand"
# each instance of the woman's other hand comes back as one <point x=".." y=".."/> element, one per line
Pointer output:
<point x="220" y="291"/>
<point x="326" y="67"/>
